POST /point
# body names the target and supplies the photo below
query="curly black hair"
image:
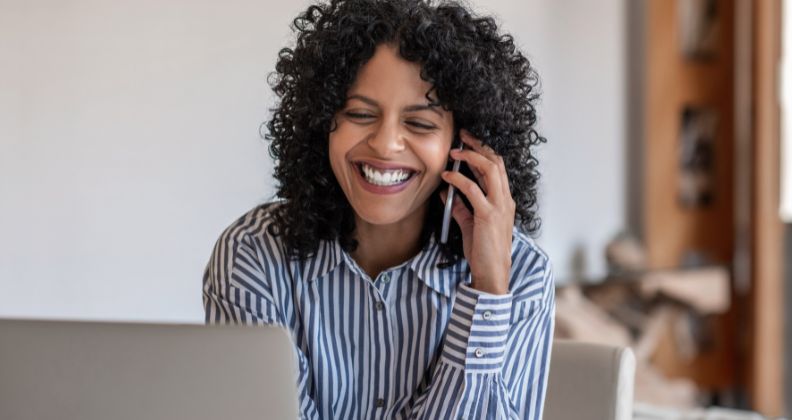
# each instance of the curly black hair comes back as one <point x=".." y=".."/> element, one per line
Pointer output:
<point x="477" y="73"/>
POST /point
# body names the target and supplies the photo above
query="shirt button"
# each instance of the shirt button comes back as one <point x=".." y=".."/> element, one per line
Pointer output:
<point x="479" y="353"/>
<point x="380" y="306"/>
<point x="487" y="315"/>
<point x="385" y="278"/>
<point x="380" y="402"/>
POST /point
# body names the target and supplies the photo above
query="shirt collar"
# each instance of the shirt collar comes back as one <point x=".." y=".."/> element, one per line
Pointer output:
<point x="327" y="257"/>
<point x="442" y="280"/>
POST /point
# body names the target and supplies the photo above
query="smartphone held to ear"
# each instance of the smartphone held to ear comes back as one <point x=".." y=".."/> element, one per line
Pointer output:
<point x="449" y="201"/>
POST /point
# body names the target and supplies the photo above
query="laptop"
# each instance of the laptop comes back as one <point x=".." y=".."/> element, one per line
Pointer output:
<point x="72" y="370"/>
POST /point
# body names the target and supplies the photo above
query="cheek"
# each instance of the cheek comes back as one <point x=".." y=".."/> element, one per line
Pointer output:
<point x="435" y="156"/>
<point x="337" y="153"/>
<point x="341" y="140"/>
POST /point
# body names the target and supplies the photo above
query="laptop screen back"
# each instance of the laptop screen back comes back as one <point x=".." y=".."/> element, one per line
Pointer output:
<point x="101" y="370"/>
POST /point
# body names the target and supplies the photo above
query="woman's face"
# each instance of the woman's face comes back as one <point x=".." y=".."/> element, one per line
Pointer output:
<point x="389" y="147"/>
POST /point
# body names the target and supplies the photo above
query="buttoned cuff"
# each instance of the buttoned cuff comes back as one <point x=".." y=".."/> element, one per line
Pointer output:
<point x="477" y="331"/>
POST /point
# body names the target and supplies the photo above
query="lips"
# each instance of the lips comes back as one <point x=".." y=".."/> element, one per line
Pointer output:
<point x="381" y="189"/>
<point x="384" y="166"/>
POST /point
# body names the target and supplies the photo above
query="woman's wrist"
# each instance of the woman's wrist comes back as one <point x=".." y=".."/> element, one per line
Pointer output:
<point x="492" y="287"/>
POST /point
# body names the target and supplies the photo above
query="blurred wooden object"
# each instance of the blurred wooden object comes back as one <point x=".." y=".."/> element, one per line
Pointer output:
<point x="748" y="339"/>
<point x="672" y="83"/>
<point x="765" y="367"/>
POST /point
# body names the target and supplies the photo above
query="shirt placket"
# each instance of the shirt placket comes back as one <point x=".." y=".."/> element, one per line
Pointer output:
<point x="383" y="342"/>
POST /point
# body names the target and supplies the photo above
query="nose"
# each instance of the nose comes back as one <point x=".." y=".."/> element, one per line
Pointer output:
<point x="388" y="137"/>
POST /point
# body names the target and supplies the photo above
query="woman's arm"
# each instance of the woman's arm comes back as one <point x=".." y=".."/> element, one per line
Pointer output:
<point x="494" y="365"/>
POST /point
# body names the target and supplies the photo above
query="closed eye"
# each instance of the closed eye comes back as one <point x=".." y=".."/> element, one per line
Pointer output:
<point x="357" y="115"/>
<point x="421" y="126"/>
<point x="365" y="117"/>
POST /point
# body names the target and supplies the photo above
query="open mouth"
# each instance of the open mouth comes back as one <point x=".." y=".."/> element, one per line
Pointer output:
<point x="384" y="178"/>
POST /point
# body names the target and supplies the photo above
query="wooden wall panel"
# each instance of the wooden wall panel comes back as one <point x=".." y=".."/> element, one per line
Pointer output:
<point x="673" y="82"/>
<point x="767" y="357"/>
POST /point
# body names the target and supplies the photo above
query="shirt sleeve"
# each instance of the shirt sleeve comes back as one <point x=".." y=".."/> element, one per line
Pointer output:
<point x="494" y="365"/>
<point x="235" y="291"/>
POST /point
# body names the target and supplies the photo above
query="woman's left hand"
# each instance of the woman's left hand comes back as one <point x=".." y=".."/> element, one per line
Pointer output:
<point x="487" y="232"/>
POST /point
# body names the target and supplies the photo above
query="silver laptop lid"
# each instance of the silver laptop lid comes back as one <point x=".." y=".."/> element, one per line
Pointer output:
<point x="70" y="370"/>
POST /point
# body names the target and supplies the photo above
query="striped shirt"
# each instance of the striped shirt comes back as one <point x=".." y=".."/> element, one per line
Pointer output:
<point x="415" y="342"/>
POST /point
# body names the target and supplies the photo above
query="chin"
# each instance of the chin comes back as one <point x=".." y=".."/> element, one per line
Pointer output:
<point x="380" y="215"/>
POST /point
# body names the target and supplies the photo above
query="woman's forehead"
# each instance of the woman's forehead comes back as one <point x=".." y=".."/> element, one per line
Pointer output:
<point x="389" y="78"/>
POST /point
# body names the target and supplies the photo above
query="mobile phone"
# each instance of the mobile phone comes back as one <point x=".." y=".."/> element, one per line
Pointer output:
<point x="449" y="201"/>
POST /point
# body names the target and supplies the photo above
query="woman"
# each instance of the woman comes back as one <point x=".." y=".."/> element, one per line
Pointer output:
<point x="387" y="321"/>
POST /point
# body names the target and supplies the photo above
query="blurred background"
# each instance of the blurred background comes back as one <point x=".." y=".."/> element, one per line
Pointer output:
<point x="129" y="138"/>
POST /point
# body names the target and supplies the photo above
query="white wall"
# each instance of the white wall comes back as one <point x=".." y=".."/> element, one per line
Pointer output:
<point x="129" y="140"/>
<point x="579" y="49"/>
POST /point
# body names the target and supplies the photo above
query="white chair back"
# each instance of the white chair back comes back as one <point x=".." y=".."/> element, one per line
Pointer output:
<point x="590" y="381"/>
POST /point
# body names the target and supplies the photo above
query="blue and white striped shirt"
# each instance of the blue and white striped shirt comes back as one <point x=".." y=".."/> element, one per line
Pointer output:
<point x="416" y="342"/>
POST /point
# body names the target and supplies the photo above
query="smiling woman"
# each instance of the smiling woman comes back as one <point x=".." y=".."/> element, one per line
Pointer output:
<point x="387" y="322"/>
<point x="387" y="151"/>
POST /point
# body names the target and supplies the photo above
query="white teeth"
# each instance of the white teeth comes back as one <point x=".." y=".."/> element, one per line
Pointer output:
<point x="384" y="177"/>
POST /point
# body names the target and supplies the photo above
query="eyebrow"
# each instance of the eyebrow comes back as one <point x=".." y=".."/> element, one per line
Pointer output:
<point x="411" y="108"/>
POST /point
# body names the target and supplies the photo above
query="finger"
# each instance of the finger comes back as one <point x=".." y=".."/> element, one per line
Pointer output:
<point x="463" y="217"/>
<point x="504" y="177"/>
<point x="476" y="173"/>
<point x="481" y="180"/>
<point x="461" y="214"/>
<point x="490" y="153"/>
<point x="472" y="191"/>
<point x="489" y="170"/>
<point x="478" y="145"/>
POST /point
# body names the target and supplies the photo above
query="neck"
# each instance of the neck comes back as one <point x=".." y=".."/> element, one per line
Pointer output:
<point x="384" y="246"/>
